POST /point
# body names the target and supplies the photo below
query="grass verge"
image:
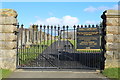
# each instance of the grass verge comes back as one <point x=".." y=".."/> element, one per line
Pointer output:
<point x="113" y="73"/>
<point x="5" y="73"/>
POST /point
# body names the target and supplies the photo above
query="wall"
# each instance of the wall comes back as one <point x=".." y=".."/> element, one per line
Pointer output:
<point x="8" y="22"/>
<point x="111" y="23"/>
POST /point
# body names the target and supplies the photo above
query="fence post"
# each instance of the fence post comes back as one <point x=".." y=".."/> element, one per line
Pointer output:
<point x="8" y="22"/>
<point x="112" y="28"/>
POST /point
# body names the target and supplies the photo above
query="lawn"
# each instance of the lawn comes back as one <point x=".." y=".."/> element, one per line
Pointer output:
<point x="4" y="73"/>
<point x="30" y="53"/>
<point x="112" y="73"/>
<point x="73" y="42"/>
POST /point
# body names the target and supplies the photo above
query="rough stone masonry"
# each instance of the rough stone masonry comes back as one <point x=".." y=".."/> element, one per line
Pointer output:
<point x="8" y="22"/>
<point x="112" y="22"/>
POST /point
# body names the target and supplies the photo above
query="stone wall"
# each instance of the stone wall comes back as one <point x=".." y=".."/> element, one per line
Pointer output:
<point x="8" y="38"/>
<point x="111" y="20"/>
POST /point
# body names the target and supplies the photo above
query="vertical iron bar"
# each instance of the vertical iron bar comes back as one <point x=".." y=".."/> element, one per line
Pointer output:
<point x="33" y="33"/>
<point x="18" y="57"/>
<point x="67" y="34"/>
<point x="28" y="50"/>
<point x="51" y="40"/>
<point x="58" y="47"/>
<point x="62" y="41"/>
<point x="74" y="46"/>
<point x="63" y="36"/>
<point x="55" y="36"/>
<point x="79" y="57"/>
<point x="37" y="46"/>
<point x="67" y="42"/>
<point x="51" y="37"/>
<point x="41" y="46"/>
<point x="44" y="45"/>
<point x="25" y="36"/>
<point x="55" y="43"/>
<point x="31" y="40"/>
<point x="47" y="34"/>
<point x="38" y="49"/>
<point x="47" y="55"/>
<point x="33" y="44"/>
<point x="21" y="46"/>
<point x="44" y="34"/>
<point x="29" y="36"/>
<point x="25" y="44"/>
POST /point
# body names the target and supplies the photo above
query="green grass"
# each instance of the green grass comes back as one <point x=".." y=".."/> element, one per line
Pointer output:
<point x="73" y="42"/>
<point x="112" y="73"/>
<point x="30" y="53"/>
<point x="5" y="73"/>
<point x="48" y="42"/>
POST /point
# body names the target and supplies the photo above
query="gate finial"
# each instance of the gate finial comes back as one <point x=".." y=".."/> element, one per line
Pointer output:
<point x="81" y="26"/>
<point x="55" y="27"/>
<point x="74" y="26"/>
<point x="67" y="26"/>
<point x="48" y="26"/>
<point x="85" y="26"/>
<point x="22" y="26"/>
<point x="44" y="26"/>
<point x="89" y="26"/>
<point x="78" y="26"/>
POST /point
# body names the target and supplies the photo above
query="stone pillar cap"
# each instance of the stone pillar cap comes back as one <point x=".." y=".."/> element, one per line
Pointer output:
<point x="8" y="13"/>
<point x="113" y="12"/>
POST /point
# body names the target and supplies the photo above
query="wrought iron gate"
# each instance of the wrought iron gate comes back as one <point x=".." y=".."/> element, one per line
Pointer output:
<point x="55" y="47"/>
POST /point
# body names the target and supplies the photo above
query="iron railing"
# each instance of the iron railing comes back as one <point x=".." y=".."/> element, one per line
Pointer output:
<point x="55" y="47"/>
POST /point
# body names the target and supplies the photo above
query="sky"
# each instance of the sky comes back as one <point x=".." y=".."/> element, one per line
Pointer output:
<point x="60" y="0"/>
<point x="59" y="13"/>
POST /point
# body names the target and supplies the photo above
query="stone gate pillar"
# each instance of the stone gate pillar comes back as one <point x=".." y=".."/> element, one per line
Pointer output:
<point x="111" y="20"/>
<point x="8" y="22"/>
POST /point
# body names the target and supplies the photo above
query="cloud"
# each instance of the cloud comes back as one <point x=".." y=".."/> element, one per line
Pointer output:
<point x="68" y="20"/>
<point x="53" y="21"/>
<point x="90" y="9"/>
<point x="65" y="20"/>
<point x="102" y="8"/>
<point x="91" y="22"/>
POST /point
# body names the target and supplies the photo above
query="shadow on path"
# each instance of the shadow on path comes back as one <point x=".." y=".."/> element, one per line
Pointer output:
<point x="63" y="55"/>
